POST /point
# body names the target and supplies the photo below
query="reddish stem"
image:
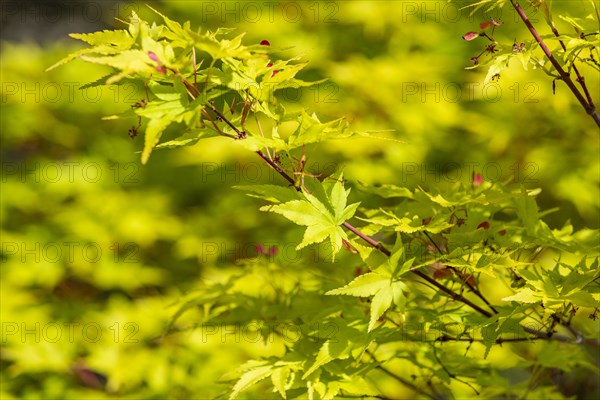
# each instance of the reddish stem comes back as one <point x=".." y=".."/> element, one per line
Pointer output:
<point x="589" y="107"/>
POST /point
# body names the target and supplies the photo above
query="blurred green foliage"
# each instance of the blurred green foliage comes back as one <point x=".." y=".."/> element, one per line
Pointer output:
<point x="98" y="250"/>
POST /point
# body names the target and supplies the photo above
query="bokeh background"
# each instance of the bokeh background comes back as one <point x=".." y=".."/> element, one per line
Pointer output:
<point x="98" y="251"/>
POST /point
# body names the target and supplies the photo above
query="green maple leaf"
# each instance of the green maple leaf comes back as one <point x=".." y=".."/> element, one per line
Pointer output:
<point x="256" y="373"/>
<point x="322" y="216"/>
<point x="331" y="350"/>
<point x="380" y="285"/>
<point x="365" y="285"/>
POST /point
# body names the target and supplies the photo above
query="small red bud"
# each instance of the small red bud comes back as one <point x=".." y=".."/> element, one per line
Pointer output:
<point x="265" y="43"/>
<point x="272" y="250"/>
<point x="484" y="225"/>
<point x="440" y="271"/>
<point x="274" y="73"/>
<point x="161" y="69"/>
<point x="469" y="279"/>
<point x="153" y="56"/>
<point x="470" y="36"/>
<point x="260" y="249"/>
<point x="477" y="180"/>
<point x="269" y="65"/>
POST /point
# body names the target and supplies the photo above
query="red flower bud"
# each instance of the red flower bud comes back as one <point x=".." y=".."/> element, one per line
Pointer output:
<point x="260" y="249"/>
<point x="265" y="43"/>
<point x="153" y="56"/>
<point x="470" y="36"/>
<point x="484" y="225"/>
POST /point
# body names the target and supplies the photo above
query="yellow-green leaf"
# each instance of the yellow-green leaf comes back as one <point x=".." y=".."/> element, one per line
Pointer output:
<point x="279" y="379"/>
<point x="250" y="378"/>
<point x="524" y="296"/>
<point x="363" y="286"/>
<point x="381" y="302"/>
<point x="153" y="133"/>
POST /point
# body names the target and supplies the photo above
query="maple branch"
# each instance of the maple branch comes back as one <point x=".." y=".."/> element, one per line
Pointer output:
<point x="430" y="280"/>
<point x="373" y="243"/>
<point x="380" y="247"/>
<point x="462" y="278"/>
<point x="589" y="107"/>
<point x="454" y="295"/>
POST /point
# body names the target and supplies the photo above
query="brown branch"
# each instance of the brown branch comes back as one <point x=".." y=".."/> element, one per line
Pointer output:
<point x="462" y="278"/>
<point x="278" y="169"/>
<point x="214" y="124"/>
<point x="497" y="341"/>
<point x="589" y="107"/>
<point x="430" y="280"/>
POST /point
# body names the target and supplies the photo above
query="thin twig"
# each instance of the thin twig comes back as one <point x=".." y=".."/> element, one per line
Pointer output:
<point x="219" y="131"/>
<point x="400" y="379"/>
<point x="460" y="276"/>
<point x="194" y="61"/>
<point x="450" y="374"/>
<point x="446" y="338"/>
